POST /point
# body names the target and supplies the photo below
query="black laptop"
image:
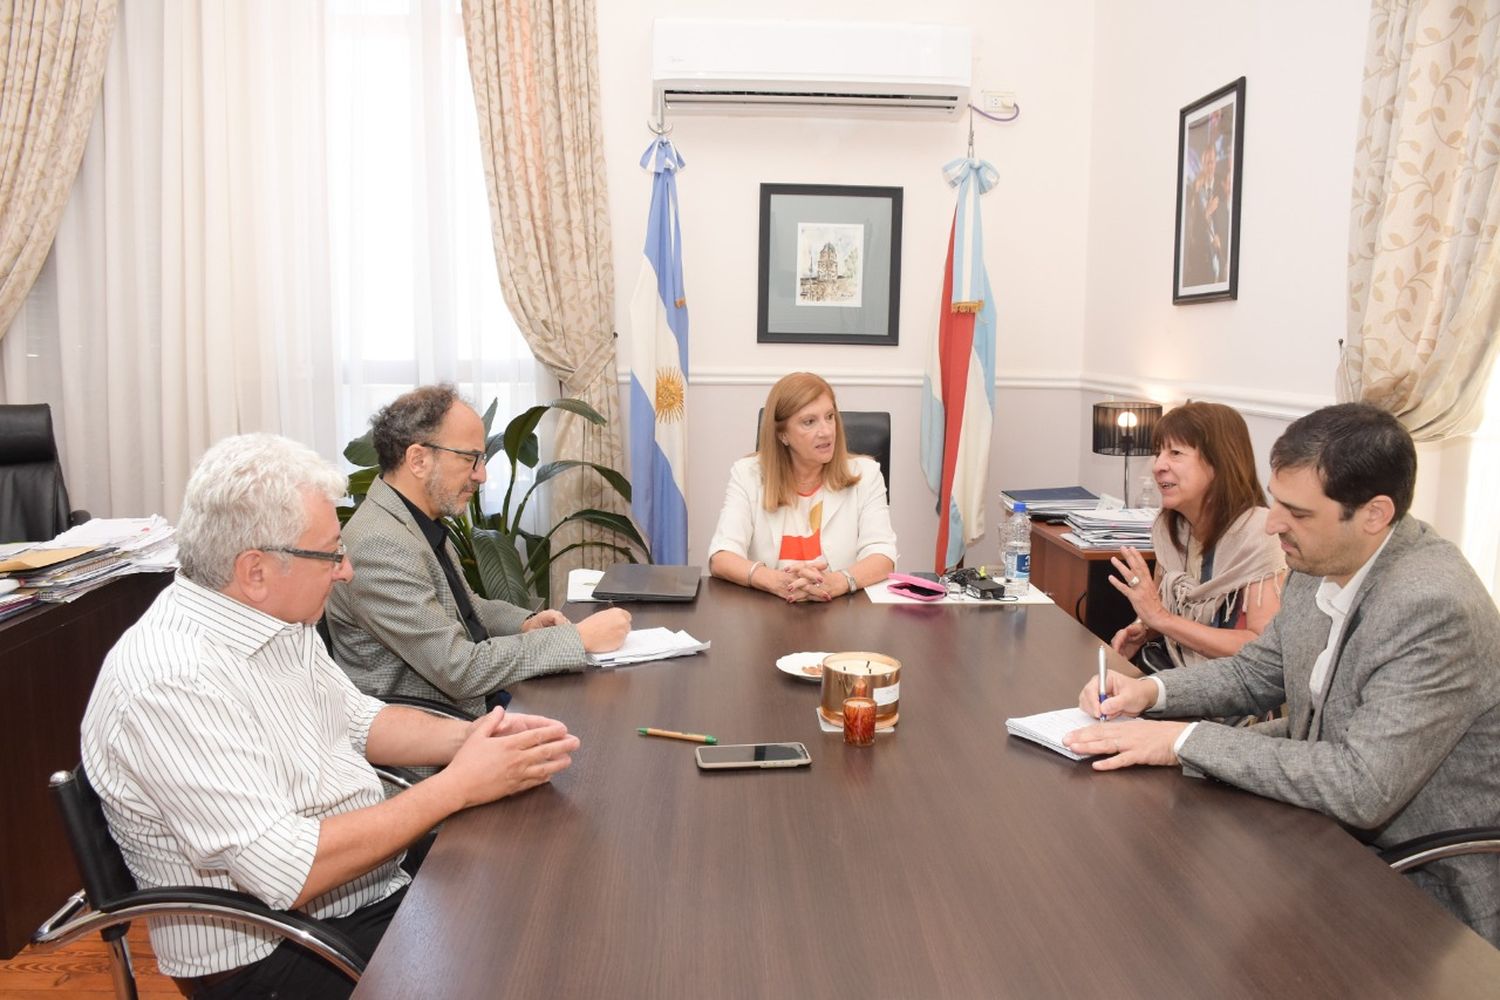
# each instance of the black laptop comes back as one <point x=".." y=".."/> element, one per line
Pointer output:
<point x="643" y="582"/>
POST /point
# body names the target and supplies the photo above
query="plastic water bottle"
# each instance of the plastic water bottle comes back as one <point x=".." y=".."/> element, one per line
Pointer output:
<point x="1015" y="548"/>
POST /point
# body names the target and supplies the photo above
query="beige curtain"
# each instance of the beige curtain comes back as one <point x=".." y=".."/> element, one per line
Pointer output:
<point x="52" y="55"/>
<point x="535" y="69"/>
<point x="1424" y="268"/>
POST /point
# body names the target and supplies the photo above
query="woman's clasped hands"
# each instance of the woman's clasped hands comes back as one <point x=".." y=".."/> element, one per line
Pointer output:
<point x="810" y="580"/>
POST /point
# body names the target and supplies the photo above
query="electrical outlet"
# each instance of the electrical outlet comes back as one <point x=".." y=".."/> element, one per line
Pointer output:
<point x="997" y="102"/>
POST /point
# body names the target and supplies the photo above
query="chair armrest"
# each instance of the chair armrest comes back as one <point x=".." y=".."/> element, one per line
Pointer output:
<point x="1446" y="844"/>
<point x="399" y="778"/>
<point x="75" y="920"/>
<point x="428" y="705"/>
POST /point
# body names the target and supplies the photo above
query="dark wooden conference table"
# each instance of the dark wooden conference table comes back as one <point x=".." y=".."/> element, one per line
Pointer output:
<point x="948" y="860"/>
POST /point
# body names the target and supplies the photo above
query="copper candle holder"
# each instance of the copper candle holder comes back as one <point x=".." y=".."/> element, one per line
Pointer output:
<point x="881" y="674"/>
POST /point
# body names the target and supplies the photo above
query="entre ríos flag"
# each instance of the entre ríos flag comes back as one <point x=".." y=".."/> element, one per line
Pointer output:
<point x="958" y="390"/>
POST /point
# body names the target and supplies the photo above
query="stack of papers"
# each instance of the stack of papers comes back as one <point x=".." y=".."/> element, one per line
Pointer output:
<point x="643" y="645"/>
<point x="581" y="584"/>
<point x="84" y="558"/>
<point x="13" y="603"/>
<point x="1054" y="500"/>
<point x="1049" y="728"/>
<point x="1110" y="529"/>
<point x="145" y="544"/>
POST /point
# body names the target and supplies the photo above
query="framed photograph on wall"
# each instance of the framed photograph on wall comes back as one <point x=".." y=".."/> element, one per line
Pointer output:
<point x="830" y="264"/>
<point x="1210" y="154"/>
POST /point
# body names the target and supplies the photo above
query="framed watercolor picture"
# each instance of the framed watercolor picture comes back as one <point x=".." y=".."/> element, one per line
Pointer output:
<point x="1210" y="154"/>
<point x="830" y="264"/>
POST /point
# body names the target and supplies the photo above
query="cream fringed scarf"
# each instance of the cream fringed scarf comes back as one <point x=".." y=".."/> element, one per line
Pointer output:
<point x="1246" y="560"/>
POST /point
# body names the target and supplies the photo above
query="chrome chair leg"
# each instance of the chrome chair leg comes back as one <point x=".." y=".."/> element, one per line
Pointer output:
<point x="120" y="969"/>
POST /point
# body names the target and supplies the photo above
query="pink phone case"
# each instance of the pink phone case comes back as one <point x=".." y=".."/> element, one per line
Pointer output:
<point x="915" y="587"/>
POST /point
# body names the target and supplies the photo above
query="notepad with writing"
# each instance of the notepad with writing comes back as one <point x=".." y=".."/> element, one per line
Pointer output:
<point x="1049" y="728"/>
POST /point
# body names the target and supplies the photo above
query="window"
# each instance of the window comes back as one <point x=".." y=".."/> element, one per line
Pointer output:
<point x="416" y="293"/>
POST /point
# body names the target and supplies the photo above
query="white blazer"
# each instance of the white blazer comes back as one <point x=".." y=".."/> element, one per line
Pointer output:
<point x="856" y="520"/>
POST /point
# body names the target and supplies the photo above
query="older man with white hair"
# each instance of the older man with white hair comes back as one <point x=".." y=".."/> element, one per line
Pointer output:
<point x="230" y="751"/>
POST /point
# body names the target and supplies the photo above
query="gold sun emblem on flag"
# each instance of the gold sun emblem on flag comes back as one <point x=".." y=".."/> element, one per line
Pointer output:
<point x="671" y="395"/>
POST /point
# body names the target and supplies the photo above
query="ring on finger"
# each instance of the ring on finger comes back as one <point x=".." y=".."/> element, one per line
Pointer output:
<point x="1135" y="580"/>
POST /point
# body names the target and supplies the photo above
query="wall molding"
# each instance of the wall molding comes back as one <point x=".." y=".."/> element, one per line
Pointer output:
<point x="1268" y="403"/>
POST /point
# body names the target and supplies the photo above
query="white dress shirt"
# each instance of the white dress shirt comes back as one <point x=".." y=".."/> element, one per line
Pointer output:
<point x="217" y="737"/>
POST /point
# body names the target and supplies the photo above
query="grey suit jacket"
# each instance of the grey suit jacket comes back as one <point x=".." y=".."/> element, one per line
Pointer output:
<point x="396" y="629"/>
<point x="1406" y="741"/>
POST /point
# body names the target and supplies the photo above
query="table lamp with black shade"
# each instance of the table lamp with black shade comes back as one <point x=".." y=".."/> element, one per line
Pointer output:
<point x="1125" y="427"/>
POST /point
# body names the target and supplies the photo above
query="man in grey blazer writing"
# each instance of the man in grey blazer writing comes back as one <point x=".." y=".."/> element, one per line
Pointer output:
<point x="1386" y="652"/>
<point x="408" y="623"/>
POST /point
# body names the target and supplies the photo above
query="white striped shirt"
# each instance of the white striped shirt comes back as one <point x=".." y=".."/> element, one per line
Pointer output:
<point x="217" y="737"/>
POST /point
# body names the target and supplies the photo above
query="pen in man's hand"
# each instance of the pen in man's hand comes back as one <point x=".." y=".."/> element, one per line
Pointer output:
<point x="672" y="734"/>
<point x="1103" y="679"/>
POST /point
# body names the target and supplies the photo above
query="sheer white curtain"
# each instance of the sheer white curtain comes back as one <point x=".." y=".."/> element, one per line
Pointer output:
<point x="280" y="223"/>
<point x="418" y="294"/>
<point x="1481" y="537"/>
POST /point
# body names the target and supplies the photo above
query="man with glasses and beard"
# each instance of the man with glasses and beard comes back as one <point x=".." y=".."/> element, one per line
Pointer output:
<point x="408" y="623"/>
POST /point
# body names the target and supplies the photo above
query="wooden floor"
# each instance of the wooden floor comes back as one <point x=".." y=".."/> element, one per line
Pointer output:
<point x="82" y="970"/>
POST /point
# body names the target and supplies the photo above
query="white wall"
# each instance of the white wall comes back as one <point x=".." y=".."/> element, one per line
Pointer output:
<point x="1036" y="224"/>
<point x="1078" y="233"/>
<point x="1271" y="352"/>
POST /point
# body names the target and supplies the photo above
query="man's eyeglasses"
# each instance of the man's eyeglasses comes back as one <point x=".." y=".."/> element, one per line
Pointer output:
<point x="476" y="457"/>
<point x="337" y="556"/>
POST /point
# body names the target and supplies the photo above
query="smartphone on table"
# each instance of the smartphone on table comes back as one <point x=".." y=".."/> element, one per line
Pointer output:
<point x="738" y="755"/>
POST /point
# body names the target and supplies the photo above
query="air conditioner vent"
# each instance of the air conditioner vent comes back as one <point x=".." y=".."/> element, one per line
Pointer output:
<point x="839" y="69"/>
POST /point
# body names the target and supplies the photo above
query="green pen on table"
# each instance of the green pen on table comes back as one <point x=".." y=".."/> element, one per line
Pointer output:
<point x="672" y="734"/>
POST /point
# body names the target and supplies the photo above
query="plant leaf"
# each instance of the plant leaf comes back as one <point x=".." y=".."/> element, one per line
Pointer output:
<point x="578" y="407"/>
<point x="622" y="550"/>
<point x="551" y="469"/>
<point x="501" y="569"/>
<point x="618" y="523"/>
<point x="522" y="431"/>
<point x="360" y="480"/>
<point x="361" y="451"/>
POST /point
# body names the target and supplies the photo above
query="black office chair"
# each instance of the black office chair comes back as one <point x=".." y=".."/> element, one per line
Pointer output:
<point x="111" y="899"/>
<point x="33" y="498"/>
<point x="1418" y="851"/>
<point x="866" y="432"/>
<point x="410" y="701"/>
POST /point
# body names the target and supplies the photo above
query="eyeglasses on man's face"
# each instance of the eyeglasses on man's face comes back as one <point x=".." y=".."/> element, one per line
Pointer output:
<point x="337" y="556"/>
<point x="476" y="458"/>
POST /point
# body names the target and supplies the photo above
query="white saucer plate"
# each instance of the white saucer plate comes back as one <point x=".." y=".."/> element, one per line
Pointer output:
<point x="792" y="664"/>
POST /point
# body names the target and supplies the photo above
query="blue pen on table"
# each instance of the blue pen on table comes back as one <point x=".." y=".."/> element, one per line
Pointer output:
<point x="1102" y="685"/>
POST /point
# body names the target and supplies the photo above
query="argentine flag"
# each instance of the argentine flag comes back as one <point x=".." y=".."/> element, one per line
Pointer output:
<point x="958" y="390"/>
<point x="659" y="369"/>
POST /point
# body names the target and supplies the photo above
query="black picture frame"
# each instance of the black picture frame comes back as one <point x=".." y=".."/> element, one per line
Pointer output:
<point x="830" y="264"/>
<point x="1210" y="177"/>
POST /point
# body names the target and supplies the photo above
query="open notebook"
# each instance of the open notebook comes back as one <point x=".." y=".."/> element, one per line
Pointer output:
<point x="1049" y="728"/>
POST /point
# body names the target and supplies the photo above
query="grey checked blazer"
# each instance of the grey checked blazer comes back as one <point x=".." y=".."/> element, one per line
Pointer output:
<point x="396" y="628"/>
<point x="1407" y="739"/>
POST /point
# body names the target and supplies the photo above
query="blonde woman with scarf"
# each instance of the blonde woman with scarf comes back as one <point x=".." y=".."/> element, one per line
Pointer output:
<point x="1218" y="574"/>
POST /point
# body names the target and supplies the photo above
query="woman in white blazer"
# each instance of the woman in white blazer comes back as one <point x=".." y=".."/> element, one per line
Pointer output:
<point x="803" y="519"/>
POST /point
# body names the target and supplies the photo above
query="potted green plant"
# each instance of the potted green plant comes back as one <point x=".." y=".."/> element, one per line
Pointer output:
<point x="501" y="559"/>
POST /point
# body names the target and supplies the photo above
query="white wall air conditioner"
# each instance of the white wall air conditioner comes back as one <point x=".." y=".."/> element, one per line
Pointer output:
<point x="828" y="68"/>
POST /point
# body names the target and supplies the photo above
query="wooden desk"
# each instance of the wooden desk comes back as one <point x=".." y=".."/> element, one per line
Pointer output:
<point x="1077" y="580"/>
<point x="49" y="658"/>
<point x="947" y="861"/>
